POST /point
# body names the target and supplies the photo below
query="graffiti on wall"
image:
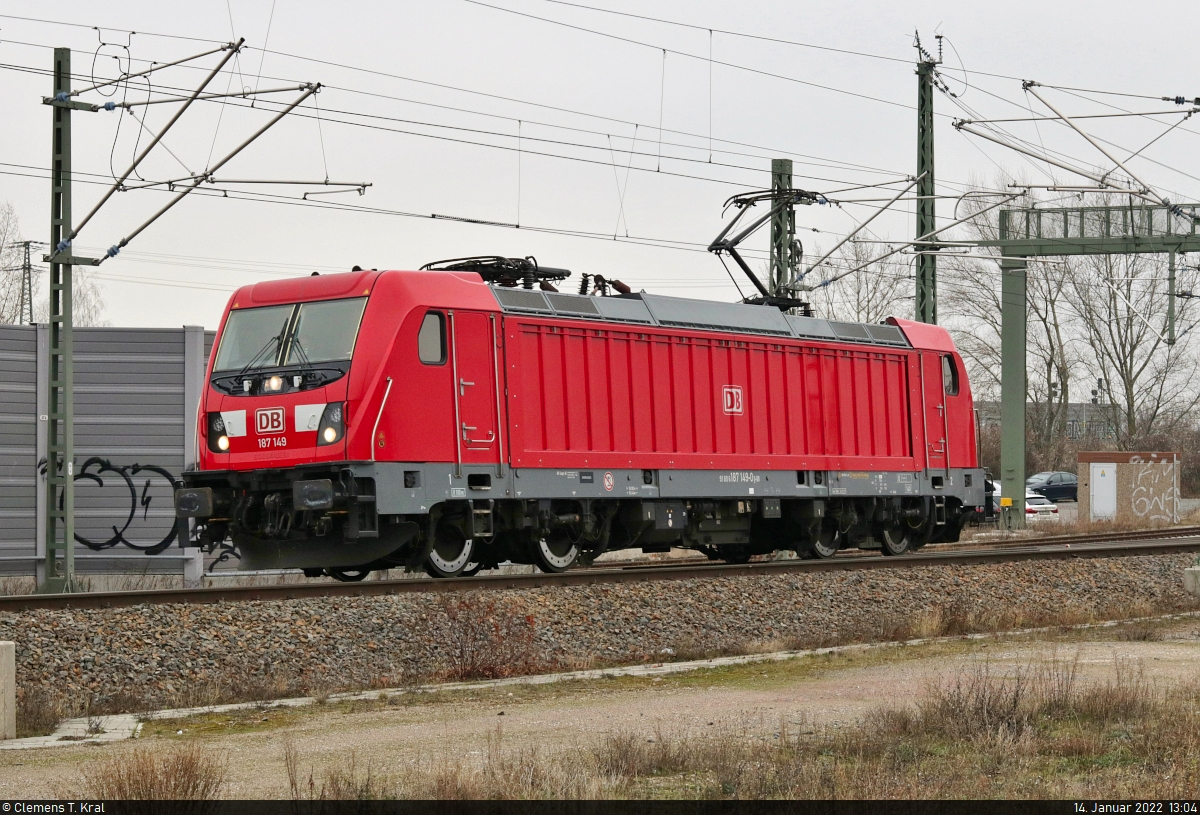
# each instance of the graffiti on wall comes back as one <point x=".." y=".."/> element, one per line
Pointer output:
<point x="1154" y="496"/>
<point x="136" y="484"/>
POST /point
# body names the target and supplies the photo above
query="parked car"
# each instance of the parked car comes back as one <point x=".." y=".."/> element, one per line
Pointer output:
<point x="1038" y="508"/>
<point x="1057" y="486"/>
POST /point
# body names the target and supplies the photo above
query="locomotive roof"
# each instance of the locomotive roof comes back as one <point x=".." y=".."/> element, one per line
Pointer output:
<point x="680" y="312"/>
<point x="631" y="309"/>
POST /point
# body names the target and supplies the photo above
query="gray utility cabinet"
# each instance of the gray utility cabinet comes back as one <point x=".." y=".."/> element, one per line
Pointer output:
<point x="136" y="395"/>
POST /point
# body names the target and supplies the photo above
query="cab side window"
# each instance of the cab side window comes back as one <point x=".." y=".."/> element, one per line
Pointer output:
<point x="949" y="376"/>
<point x="431" y="341"/>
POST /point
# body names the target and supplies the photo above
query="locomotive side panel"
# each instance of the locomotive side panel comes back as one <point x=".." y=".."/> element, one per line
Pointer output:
<point x="964" y="450"/>
<point x="603" y="396"/>
<point x="407" y="430"/>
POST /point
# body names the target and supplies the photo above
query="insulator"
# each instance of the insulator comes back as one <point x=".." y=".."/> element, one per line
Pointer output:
<point x="584" y="280"/>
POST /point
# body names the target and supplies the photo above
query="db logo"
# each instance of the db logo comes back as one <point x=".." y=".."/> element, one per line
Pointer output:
<point x="268" y="420"/>
<point x="732" y="398"/>
<point x="608" y="481"/>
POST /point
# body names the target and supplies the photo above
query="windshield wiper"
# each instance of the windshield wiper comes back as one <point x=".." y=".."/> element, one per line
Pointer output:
<point x="305" y="363"/>
<point x="273" y="342"/>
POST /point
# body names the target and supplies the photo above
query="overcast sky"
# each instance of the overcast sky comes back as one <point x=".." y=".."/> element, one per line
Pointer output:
<point x="462" y="109"/>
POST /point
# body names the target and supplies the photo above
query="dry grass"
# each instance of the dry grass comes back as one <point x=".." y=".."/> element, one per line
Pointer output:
<point x="1039" y="731"/>
<point x="186" y="772"/>
<point x="503" y="773"/>
<point x="955" y="618"/>
<point x="1079" y="526"/>
<point x="38" y="712"/>
<point x="487" y="639"/>
<point x="17" y="585"/>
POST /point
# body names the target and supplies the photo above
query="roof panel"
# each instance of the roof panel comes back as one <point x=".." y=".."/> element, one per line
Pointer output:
<point x="679" y="311"/>
<point x="811" y="328"/>
<point x="625" y="309"/>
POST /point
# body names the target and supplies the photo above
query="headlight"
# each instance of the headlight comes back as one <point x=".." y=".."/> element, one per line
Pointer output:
<point x="273" y="383"/>
<point x="218" y="439"/>
<point x="333" y="425"/>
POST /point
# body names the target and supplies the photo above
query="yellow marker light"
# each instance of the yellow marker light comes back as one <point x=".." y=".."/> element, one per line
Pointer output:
<point x="1006" y="502"/>
<point x="330" y="434"/>
<point x="223" y="442"/>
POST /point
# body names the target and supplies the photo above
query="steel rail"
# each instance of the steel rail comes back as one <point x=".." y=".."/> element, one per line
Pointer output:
<point x="294" y="591"/>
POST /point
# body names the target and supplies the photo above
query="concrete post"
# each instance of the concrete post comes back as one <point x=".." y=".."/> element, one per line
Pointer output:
<point x="8" y="690"/>
<point x="193" y="567"/>
<point x="1191" y="579"/>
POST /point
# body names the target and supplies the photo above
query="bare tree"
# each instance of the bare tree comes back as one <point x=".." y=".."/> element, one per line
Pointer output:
<point x="1095" y="321"/>
<point x="969" y="302"/>
<point x="878" y="291"/>
<point x="1121" y="304"/>
<point x="87" y="300"/>
<point x="11" y="257"/>
<point x="972" y="305"/>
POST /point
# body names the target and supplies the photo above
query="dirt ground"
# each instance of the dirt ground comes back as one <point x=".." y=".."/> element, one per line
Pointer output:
<point x="806" y="693"/>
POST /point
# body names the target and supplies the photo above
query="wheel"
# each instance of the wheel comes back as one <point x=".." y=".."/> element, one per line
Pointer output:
<point x="825" y="544"/>
<point x="555" y="553"/>
<point x="348" y="575"/>
<point x="471" y="569"/>
<point x="895" y="539"/>
<point x="451" y="553"/>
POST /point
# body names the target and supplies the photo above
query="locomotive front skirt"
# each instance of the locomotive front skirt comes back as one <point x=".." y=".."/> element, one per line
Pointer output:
<point x="427" y="419"/>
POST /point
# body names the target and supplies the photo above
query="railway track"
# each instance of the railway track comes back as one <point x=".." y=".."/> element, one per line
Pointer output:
<point x="1117" y="544"/>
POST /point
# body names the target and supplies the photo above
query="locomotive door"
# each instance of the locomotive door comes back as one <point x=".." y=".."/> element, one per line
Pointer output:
<point x="476" y="400"/>
<point x="932" y="385"/>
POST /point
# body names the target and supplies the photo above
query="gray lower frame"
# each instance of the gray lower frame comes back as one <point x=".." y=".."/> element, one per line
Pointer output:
<point x="436" y="483"/>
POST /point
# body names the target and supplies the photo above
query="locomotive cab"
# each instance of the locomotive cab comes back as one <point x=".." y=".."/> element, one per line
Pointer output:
<point x="278" y="383"/>
<point x="298" y="379"/>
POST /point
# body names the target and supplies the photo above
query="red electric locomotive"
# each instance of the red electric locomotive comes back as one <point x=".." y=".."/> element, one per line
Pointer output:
<point x="429" y="419"/>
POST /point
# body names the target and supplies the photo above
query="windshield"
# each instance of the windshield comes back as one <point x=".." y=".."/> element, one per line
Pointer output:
<point x="325" y="331"/>
<point x="1039" y="477"/>
<point x="322" y="331"/>
<point x="250" y="333"/>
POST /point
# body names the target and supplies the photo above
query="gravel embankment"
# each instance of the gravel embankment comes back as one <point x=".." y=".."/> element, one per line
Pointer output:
<point x="157" y="656"/>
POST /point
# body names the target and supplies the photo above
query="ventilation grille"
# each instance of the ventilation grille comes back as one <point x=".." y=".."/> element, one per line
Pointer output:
<point x="888" y="334"/>
<point x="572" y="304"/>
<point x="521" y="300"/>
<point x="855" y="332"/>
